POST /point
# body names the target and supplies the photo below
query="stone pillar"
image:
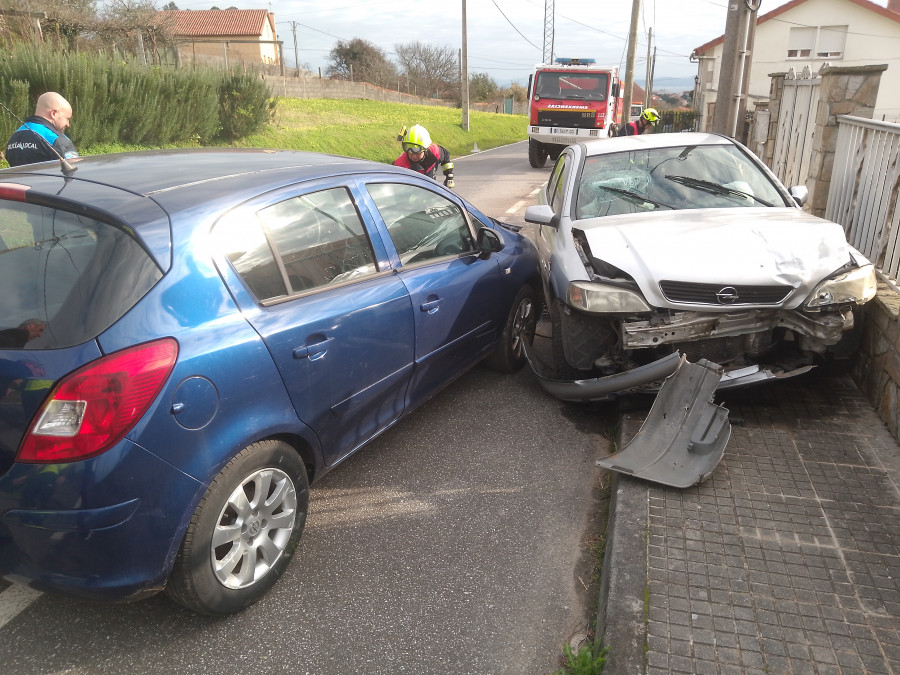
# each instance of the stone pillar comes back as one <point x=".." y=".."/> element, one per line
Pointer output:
<point x="776" y="87"/>
<point x="844" y="91"/>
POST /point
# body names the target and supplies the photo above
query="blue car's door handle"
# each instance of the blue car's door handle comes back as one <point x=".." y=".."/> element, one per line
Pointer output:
<point x="431" y="306"/>
<point x="314" y="351"/>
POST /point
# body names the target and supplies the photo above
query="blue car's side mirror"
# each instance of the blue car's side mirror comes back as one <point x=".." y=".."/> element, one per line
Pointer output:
<point x="488" y="242"/>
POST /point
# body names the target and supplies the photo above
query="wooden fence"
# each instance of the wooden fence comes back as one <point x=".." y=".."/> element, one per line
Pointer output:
<point x="794" y="131"/>
<point x="865" y="182"/>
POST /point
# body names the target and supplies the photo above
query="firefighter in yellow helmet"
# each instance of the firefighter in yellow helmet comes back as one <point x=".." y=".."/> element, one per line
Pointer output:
<point x="423" y="156"/>
<point x="647" y="119"/>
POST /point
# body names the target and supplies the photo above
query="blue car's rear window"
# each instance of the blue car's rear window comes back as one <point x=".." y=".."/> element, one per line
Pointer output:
<point x="64" y="277"/>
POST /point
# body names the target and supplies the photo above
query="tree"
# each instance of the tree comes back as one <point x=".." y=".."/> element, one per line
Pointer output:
<point x="482" y="88"/>
<point x="170" y="7"/>
<point x="516" y="92"/>
<point x="430" y="71"/>
<point x="361" y="61"/>
<point x="66" y="20"/>
<point x="134" y="27"/>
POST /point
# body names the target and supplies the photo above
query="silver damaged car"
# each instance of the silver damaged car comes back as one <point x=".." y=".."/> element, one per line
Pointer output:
<point x="666" y="244"/>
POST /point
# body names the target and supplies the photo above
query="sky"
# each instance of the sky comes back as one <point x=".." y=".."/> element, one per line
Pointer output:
<point x="504" y="37"/>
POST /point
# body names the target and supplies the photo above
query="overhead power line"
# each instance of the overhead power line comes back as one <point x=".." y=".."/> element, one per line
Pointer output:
<point x="513" y="26"/>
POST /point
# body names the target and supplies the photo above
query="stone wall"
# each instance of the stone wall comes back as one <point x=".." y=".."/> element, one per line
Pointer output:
<point x="876" y="369"/>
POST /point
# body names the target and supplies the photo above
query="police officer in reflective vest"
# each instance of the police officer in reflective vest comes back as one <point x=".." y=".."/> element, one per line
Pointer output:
<point x="41" y="138"/>
<point x="423" y="156"/>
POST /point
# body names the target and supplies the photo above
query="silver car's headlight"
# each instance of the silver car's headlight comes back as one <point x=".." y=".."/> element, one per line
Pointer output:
<point x="858" y="285"/>
<point x="600" y="298"/>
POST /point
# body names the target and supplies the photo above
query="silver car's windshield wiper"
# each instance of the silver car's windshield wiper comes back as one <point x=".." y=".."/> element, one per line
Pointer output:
<point x="715" y="188"/>
<point x="634" y="196"/>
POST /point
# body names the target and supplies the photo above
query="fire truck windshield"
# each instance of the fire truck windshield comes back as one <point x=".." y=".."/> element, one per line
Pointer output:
<point x="580" y="86"/>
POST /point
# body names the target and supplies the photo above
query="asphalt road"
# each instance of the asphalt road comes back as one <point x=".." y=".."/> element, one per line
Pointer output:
<point x="457" y="542"/>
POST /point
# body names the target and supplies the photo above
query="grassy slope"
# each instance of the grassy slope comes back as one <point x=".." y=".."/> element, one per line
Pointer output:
<point x="369" y="129"/>
<point x="366" y="129"/>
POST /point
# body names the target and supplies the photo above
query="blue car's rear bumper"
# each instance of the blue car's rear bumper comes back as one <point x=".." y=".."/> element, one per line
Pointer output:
<point x="103" y="528"/>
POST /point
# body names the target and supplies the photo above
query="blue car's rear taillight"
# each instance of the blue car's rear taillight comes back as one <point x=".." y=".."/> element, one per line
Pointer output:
<point x="91" y="409"/>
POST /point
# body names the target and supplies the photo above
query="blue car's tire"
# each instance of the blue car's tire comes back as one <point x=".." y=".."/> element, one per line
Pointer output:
<point x="244" y="531"/>
<point x="509" y="355"/>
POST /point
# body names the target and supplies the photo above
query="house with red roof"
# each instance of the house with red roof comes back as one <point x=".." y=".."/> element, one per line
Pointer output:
<point x="227" y="36"/>
<point x="812" y="33"/>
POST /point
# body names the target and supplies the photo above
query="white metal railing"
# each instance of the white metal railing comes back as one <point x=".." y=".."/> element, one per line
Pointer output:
<point x="865" y="182"/>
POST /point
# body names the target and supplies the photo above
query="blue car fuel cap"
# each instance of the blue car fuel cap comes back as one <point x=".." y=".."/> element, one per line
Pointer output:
<point x="195" y="403"/>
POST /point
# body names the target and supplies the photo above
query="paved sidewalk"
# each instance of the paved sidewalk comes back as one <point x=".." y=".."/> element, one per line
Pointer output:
<point x="786" y="560"/>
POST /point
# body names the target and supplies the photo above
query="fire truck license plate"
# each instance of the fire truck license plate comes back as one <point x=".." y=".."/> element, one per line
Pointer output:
<point x="568" y="132"/>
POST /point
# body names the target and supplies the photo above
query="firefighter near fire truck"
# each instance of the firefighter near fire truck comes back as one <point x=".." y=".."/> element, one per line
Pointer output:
<point x="571" y="101"/>
<point x="423" y="156"/>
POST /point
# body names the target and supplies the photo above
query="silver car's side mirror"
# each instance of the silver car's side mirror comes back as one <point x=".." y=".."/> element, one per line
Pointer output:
<point x="800" y="194"/>
<point x="540" y="214"/>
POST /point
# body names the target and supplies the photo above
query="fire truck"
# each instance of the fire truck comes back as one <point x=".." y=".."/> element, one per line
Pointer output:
<point x="569" y="102"/>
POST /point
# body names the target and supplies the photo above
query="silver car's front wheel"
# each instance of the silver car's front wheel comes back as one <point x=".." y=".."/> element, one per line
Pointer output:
<point x="244" y="531"/>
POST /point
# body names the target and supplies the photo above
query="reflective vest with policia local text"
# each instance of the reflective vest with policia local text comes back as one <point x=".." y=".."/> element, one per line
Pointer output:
<point x="25" y="147"/>
<point x="434" y="154"/>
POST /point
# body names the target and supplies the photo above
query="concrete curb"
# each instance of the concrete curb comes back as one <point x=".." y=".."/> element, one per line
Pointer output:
<point x="623" y="579"/>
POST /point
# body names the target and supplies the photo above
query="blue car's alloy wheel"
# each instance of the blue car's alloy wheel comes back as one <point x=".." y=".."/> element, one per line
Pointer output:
<point x="244" y="532"/>
<point x="509" y="355"/>
<point x="254" y="528"/>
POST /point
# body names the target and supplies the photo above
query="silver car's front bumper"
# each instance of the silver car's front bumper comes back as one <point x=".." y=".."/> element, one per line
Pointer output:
<point x="644" y="379"/>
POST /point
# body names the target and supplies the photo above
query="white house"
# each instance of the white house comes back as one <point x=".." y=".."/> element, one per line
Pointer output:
<point x="812" y="33"/>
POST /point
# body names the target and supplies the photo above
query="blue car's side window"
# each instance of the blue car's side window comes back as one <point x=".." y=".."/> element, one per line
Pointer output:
<point x="422" y="224"/>
<point x="245" y="244"/>
<point x="299" y="244"/>
<point x="320" y="238"/>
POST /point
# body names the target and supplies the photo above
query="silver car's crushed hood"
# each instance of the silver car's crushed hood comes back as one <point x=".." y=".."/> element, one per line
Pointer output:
<point x="747" y="246"/>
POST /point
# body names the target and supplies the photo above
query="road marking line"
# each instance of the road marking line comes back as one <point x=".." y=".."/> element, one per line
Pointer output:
<point x="13" y="600"/>
<point x="515" y="207"/>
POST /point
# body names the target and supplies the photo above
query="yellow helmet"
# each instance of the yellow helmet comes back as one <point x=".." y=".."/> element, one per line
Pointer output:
<point x="650" y="115"/>
<point x="416" y="139"/>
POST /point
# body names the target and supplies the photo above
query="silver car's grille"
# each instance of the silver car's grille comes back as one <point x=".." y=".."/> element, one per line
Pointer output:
<point x="723" y="294"/>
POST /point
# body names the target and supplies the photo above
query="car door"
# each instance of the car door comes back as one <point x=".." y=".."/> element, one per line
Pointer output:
<point x="335" y="318"/>
<point x="552" y="240"/>
<point x="431" y="243"/>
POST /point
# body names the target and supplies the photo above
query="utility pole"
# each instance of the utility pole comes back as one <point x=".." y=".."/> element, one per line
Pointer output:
<point x="296" y="58"/>
<point x="629" y="60"/>
<point x="734" y="56"/>
<point x="464" y="72"/>
<point x="647" y="82"/>
<point x="744" y="88"/>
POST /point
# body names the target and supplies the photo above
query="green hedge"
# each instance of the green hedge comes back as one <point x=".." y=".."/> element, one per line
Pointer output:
<point x="115" y="101"/>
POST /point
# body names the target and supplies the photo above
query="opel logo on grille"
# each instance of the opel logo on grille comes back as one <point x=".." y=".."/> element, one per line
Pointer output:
<point x="727" y="296"/>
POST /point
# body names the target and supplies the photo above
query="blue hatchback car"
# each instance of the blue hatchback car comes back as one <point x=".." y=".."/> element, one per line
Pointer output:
<point x="190" y="337"/>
